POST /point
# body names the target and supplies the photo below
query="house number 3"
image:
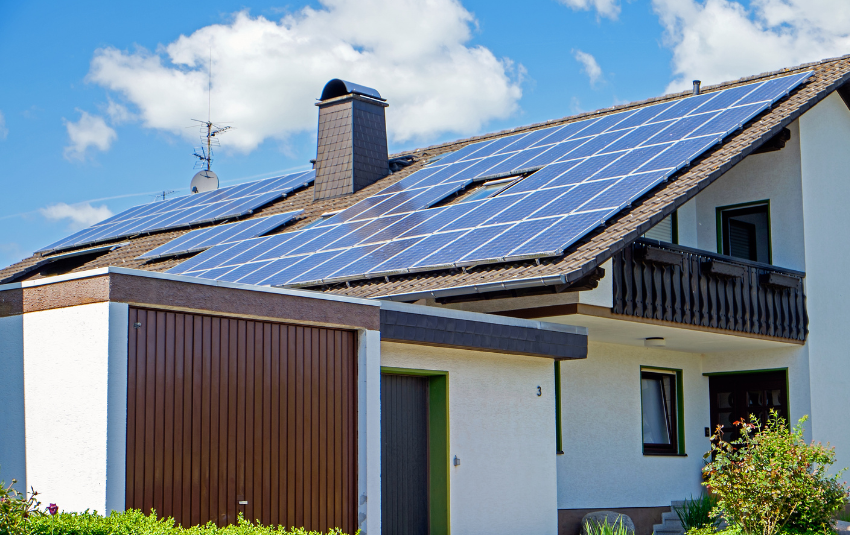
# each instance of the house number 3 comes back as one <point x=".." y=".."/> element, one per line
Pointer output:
<point x="539" y="391"/>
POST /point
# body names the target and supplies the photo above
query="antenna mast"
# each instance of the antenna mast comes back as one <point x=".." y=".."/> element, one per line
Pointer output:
<point x="209" y="130"/>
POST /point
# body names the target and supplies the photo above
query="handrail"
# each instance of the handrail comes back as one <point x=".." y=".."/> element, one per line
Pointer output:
<point x="668" y="282"/>
<point x="721" y="257"/>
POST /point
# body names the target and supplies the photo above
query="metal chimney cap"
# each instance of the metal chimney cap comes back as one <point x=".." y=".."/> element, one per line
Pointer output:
<point x="337" y="88"/>
<point x="696" y="87"/>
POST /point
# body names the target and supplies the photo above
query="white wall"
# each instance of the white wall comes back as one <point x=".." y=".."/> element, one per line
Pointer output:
<point x="503" y="433"/>
<point x="773" y="175"/>
<point x="825" y="155"/>
<point x="603" y="465"/>
<point x="12" y="444"/>
<point x="75" y="382"/>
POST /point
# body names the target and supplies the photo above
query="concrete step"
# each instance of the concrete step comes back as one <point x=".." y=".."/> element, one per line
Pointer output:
<point x="670" y="523"/>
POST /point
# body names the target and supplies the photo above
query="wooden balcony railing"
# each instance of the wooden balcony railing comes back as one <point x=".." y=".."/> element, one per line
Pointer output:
<point x="679" y="284"/>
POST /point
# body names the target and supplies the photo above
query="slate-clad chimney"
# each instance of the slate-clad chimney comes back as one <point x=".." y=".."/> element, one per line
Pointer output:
<point x="352" y="151"/>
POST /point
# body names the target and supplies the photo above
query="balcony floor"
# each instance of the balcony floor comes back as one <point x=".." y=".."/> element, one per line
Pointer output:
<point x="603" y="326"/>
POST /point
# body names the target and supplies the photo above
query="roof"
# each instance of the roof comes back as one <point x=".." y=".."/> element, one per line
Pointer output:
<point x="578" y="261"/>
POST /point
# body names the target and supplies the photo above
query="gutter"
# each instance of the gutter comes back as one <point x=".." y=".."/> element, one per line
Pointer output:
<point x="549" y="280"/>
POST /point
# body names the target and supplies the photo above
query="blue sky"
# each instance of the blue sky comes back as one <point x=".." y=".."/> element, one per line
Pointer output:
<point x="95" y="96"/>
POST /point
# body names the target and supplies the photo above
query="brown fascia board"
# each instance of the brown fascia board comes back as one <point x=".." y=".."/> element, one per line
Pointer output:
<point x="188" y="294"/>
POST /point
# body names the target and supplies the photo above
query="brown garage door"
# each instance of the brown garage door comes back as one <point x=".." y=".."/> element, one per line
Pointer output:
<point x="222" y="411"/>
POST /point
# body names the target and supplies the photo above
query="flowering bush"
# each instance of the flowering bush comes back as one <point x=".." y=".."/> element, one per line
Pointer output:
<point x="771" y="480"/>
<point x="16" y="510"/>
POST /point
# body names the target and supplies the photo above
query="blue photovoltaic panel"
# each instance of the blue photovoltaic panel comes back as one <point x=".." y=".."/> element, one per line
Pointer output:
<point x="217" y="205"/>
<point x="198" y="240"/>
<point x="591" y="170"/>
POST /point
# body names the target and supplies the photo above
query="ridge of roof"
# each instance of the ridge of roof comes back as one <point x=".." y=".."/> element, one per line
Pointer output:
<point x="590" y="252"/>
<point x="619" y="107"/>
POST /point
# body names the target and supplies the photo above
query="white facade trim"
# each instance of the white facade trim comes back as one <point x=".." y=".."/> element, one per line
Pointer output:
<point x="369" y="432"/>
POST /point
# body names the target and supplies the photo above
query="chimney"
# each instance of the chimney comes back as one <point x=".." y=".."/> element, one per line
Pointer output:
<point x="352" y="151"/>
<point x="696" y="87"/>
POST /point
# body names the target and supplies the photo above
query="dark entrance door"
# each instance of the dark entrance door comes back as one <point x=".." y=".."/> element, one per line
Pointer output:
<point x="739" y="395"/>
<point x="404" y="455"/>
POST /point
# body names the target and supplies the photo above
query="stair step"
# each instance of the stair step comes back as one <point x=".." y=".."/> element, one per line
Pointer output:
<point x="670" y="523"/>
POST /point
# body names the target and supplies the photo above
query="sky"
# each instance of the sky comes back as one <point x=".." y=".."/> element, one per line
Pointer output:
<point x="97" y="99"/>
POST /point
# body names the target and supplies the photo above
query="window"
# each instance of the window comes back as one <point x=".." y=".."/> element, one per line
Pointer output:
<point x="489" y="189"/>
<point x="745" y="231"/>
<point x="665" y="231"/>
<point x="659" y="394"/>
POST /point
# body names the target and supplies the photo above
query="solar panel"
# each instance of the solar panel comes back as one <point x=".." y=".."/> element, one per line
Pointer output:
<point x="196" y="209"/>
<point x="201" y="239"/>
<point x="591" y="169"/>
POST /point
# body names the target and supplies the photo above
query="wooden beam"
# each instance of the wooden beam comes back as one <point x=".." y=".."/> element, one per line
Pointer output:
<point x="661" y="256"/>
<point x="722" y="269"/>
<point x="777" y="279"/>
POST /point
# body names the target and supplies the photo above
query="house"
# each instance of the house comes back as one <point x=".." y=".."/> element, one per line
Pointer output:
<point x="675" y="258"/>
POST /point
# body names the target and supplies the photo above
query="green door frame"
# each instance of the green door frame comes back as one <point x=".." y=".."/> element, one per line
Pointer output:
<point x="438" y="443"/>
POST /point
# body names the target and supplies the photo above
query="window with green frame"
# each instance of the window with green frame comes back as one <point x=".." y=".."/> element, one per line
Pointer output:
<point x="661" y="411"/>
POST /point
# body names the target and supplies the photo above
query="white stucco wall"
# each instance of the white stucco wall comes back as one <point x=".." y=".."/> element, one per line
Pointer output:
<point x="75" y="383"/>
<point x="12" y="444"/>
<point x="825" y="156"/>
<point x="773" y="176"/>
<point x="603" y="465"/>
<point x="503" y="433"/>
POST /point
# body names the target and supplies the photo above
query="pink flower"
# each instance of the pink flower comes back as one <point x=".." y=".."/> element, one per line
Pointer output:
<point x="52" y="508"/>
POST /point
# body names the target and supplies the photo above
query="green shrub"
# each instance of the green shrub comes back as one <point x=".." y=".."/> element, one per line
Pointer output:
<point x="604" y="528"/>
<point x="16" y="510"/>
<point x="697" y="512"/>
<point x="134" y="522"/>
<point x="770" y="480"/>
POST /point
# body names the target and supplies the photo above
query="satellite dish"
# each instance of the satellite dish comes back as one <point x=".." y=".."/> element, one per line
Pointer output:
<point x="204" y="181"/>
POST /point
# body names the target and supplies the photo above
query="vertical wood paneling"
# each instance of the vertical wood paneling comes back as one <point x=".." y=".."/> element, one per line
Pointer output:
<point x="689" y="293"/>
<point x="225" y="410"/>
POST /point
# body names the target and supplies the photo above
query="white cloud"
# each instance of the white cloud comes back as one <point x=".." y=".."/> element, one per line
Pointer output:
<point x="88" y="131"/>
<point x="604" y="8"/>
<point x="4" y="132"/>
<point x="589" y="66"/>
<point x="266" y="74"/>
<point x="79" y="216"/>
<point x="118" y="113"/>
<point x="719" y="40"/>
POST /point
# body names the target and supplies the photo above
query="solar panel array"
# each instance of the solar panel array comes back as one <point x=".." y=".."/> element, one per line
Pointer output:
<point x="198" y="240"/>
<point x="217" y="205"/>
<point x="586" y="171"/>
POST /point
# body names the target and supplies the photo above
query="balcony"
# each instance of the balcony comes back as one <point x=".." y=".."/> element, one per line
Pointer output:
<point x="676" y="284"/>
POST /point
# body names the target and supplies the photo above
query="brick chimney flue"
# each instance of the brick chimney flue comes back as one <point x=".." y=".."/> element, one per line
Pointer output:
<point x="352" y="150"/>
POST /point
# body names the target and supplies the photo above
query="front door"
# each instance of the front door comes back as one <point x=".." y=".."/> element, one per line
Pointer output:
<point x="405" y="472"/>
<point x="739" y="395"/>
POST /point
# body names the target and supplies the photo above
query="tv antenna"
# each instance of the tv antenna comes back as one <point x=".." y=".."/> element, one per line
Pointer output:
<point x="206" y="180"/>
<point x="163" y="194"/>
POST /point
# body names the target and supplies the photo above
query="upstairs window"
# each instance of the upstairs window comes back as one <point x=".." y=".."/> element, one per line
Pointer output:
<point x="745" y="231"/>
<point x="660" y="411"/>
<point x="665" y="231"/>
